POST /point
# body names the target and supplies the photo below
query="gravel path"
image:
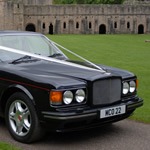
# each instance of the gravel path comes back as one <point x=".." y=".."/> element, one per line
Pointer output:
<point x="123" y="135"/>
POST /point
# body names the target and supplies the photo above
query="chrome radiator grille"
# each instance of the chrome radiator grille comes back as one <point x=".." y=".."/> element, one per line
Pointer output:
<point x="106" y="91"/>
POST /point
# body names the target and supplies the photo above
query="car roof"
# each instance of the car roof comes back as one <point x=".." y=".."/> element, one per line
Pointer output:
<point x="13" y="32"/>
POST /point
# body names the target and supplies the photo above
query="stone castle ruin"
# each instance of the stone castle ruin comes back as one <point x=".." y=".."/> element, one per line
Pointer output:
<point x="42" y="16"/>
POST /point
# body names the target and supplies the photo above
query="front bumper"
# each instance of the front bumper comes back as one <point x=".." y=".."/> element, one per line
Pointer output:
<point x="83" y="119"/>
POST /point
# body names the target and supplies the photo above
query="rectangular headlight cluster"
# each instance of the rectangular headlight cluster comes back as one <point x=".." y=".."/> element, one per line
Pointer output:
<point x="68" y="97"/>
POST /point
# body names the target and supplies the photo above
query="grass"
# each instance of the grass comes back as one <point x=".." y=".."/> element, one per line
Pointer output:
<point x="129" y="52"/>
<point x="5" y="146"/>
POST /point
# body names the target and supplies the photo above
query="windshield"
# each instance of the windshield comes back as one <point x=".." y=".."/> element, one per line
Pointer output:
<point x="29" y="43"/>
<point x="26" y="48"/>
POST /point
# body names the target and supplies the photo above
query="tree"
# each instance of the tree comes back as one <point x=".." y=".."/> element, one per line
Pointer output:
<point x="67" y="1"/>
<point x="88" y="1"/>
<point x="80" y="1"/>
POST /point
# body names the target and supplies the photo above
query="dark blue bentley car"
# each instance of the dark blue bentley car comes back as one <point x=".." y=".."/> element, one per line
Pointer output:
<point x="41" y="89"/>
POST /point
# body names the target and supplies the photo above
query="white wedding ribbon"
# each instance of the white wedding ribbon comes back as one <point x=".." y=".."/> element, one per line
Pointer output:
<point x="50" y="59"/>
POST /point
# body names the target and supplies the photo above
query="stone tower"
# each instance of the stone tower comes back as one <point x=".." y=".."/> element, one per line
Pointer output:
<point x="2" y="8"/>
<point x="12" y="12"/>
<point x="11" y="15"/>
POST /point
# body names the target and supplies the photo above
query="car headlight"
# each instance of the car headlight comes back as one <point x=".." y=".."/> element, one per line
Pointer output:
<point x="132" y="86"/>
<point x="125" y="87"/>
<point x="67" y="97"/>
<point x="80" y="96"/>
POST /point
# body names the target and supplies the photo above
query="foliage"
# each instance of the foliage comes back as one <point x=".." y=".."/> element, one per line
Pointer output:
<point x="129" y="52"/>
<point x="88" y="1"/>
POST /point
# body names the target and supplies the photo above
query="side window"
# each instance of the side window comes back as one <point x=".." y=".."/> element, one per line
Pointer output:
<point x="11" y="42"/>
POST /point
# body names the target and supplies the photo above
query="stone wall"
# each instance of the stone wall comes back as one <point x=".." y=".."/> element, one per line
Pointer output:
<point x="37" y="2"/>
<point x="89" y="19"/>
<point x="41" y="16"/>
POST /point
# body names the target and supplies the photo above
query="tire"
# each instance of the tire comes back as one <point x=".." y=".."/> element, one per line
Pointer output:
<point x="22" y="120"/>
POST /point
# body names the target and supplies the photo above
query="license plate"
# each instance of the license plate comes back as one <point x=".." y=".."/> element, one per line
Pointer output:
<point x="112" y="111"/>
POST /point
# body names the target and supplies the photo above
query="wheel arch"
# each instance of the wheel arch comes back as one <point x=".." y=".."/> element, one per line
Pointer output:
<point x="11" y="90"/>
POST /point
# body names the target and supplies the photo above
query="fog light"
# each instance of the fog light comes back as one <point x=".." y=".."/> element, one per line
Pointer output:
<point x="67" y="97"/>
<point x="125" y="88"/>
<point x="80" y="96"/>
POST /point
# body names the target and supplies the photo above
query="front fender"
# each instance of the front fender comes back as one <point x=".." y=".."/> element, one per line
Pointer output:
<point x="23" y="89"/>
<point x="11" y="90"/>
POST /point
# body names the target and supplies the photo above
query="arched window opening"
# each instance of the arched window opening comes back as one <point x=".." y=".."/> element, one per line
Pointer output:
<point x="51" y="29"/>
<point x="115" y="25"/>
<point x="102" y="29"/>
<point x="128" y="25"/>
<point x="128" y="9"/>
<point x="30" y="27"/>
<point x="43" y="25"/>
<point x="77" y="25"/>
<point x="140" y="29"/>
<point x="90" y="25"/>
<point x="64" y="25"/>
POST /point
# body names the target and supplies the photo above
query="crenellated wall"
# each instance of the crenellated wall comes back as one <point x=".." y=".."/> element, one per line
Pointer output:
<point x="37" y="2"/>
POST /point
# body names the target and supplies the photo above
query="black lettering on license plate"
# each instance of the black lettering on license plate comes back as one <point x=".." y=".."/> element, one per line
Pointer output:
<point x="113" y="111"/>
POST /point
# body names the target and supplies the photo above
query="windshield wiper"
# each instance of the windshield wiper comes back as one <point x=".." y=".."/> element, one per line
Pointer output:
<point x="56" y="55"/>
<point x="26" y="57"/>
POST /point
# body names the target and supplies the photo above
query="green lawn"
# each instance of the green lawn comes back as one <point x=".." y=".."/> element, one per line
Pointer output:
<point x="5" y="146"/>
<point x="129" y="52"/>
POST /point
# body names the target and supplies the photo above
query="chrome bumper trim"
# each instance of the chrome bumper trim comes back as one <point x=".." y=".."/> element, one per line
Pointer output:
<point x="70" y="117"/>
